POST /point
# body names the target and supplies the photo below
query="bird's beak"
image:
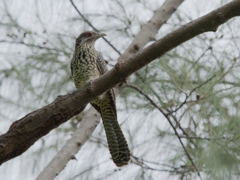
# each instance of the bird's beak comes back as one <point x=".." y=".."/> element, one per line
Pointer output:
<point x="102" y="34"/>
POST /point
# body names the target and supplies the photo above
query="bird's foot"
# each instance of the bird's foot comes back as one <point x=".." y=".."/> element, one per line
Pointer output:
<point x="123" y="80"/>
<point x="90" y="86"/>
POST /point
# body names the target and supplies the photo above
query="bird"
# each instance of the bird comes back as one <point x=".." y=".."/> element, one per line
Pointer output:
<point x="88" y="64"/>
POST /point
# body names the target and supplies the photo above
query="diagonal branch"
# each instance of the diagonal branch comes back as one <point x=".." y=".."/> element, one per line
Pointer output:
<point x="24" y="132"/>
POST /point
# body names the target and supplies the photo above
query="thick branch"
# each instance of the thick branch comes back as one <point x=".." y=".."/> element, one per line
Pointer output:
<point x="24" y="132"/>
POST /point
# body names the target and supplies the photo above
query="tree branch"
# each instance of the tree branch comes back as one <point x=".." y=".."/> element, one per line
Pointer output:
<point x="24" y="132"/>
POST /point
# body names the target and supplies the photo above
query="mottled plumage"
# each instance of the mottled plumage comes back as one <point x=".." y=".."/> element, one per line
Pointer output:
<point x="88" y="64"/>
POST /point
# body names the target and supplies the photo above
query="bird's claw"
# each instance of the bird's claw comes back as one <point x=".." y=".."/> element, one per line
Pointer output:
<point x="123" y="80"/>
<point x="90" y="86"/>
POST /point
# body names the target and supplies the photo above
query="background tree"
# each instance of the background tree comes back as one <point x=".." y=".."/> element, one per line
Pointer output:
<point x="180" y="113"/>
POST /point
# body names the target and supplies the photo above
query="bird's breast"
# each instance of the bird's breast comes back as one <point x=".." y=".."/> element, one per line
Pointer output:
<point x="84" y="68"/>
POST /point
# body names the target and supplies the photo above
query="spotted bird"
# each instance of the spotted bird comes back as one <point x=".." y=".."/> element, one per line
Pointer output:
<point x="88" y="64"/>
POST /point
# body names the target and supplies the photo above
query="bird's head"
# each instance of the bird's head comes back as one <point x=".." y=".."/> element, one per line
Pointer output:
<point x="88" y="37"/>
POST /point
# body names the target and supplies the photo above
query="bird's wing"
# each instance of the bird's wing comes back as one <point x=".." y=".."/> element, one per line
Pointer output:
<point x="102" y="68"/>
<point x="71" y="69"/>
<point x="101" y="64"/>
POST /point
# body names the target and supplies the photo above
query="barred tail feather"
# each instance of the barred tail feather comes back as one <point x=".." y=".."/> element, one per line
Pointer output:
<point x="116" y="141"/>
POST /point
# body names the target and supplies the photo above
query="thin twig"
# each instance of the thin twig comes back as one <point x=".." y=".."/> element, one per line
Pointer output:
<point x="194" y="89"/>
<point x="209" y="48"/>
<point x="189" y="107"/>
<point x="166" y="165"/>
<point x="170" y="122"/>
<point x="145" y="166"/>
<point x="89" y="169"/>
<point x="95" y="29"/>
<point x="109" y="174"/>
<point x="200" y="138"/>
<point x="30" y="45"/>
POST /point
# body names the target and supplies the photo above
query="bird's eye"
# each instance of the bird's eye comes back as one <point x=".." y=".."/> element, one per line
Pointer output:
<point x="89" y="34"/>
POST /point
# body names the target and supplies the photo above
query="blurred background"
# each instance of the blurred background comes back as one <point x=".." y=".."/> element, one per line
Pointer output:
<point x="196" y="84"/>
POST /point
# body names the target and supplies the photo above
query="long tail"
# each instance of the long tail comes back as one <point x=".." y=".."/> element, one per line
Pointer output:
<point x="116" y="141"/>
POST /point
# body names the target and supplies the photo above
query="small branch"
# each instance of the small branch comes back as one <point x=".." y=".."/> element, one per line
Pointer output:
<point x="211" y="139"/>
<point x="194" y="89"/>
<point x="144" y="166"/>
<point x="141" y="163"/>
<point x="109" y="174"/>
<point x="170" y="122"/>
<point x="30" y="45"/>
<point x="146" y="96"/>
<point x="209" y="48"/>
<point x="208" y="139"/>
<point x="155" y="163"/>
<point x="95" y="29"/>
<point x="89" y="169"/>
<point x="185" y="111"/>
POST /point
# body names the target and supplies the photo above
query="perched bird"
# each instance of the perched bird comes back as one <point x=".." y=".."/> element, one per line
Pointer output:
<point x="88" y="64"/>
